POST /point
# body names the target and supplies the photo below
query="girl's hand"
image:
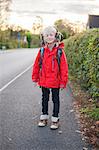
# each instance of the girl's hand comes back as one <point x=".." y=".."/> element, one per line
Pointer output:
<point x="34" y="84"/>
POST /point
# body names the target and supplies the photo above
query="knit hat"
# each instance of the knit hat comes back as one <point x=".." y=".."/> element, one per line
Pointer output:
<point x="50" y="30"/>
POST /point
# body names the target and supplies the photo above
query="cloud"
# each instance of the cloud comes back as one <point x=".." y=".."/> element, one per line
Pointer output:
<point x="33" y="13"/>
<point x="79" y="8"/>
<point x="53" y="7"/>
<point x="50" y="10"/>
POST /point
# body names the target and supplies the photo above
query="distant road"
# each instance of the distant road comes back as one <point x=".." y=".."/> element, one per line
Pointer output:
<point x="14" y="62"/>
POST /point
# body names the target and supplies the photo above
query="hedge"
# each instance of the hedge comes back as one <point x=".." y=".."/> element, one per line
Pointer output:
<point x="82" y="51"/>
<point x="9" y="40"/>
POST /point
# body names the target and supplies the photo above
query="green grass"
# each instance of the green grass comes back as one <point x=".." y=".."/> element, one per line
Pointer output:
<point x="92" y="113"/>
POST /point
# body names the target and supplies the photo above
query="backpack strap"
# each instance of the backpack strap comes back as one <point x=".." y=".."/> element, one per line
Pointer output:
<point x="41" y="56"/>
<point x="59" y="54"/>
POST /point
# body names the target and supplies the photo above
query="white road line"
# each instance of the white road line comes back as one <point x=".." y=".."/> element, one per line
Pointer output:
<point x="6" y="85"/>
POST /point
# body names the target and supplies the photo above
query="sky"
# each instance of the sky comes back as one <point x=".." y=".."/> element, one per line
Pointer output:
<point x="27" y="12"/>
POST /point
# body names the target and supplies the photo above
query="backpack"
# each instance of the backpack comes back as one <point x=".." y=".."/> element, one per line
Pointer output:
<point x="59" y="53"/>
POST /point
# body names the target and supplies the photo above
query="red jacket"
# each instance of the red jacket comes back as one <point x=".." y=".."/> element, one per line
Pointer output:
<point x="50" y="76"/>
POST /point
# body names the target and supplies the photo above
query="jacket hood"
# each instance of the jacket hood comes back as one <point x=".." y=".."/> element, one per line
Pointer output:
<point x="61" y="45"/>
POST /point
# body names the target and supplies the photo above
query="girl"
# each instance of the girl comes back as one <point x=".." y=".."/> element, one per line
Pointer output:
<point x="50" y="75"/>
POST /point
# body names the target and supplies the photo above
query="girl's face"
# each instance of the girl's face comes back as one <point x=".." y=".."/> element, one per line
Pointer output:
<point x="50" y="37"/>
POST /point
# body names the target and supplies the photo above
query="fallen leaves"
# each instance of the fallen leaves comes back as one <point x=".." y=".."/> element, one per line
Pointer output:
<point x="89" y="126"/>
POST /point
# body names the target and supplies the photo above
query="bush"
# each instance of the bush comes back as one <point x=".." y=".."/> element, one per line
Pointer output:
<point x="35" y="41"/>
<point x="9" y="40"/>
<point x="82" y="55"/>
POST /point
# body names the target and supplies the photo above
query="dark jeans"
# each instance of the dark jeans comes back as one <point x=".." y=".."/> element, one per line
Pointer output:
<point x="55" y="99"/>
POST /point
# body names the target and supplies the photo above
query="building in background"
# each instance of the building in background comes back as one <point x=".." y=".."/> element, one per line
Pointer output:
<point x="93" y="21"/>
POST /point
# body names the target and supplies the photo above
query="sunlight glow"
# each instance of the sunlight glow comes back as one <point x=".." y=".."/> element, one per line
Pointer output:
<point x="25" y="17"/>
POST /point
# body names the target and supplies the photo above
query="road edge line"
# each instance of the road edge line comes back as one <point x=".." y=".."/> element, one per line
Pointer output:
<point x="6" y="85"/>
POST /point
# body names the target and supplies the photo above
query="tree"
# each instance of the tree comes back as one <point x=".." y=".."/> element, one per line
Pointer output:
<point x="64" y="27"/>
<point x="37" y="25"/>
<point x="4" y="9"/>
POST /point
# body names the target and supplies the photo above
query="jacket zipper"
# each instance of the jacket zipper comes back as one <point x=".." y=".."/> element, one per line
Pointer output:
<point x="53" y="63"/>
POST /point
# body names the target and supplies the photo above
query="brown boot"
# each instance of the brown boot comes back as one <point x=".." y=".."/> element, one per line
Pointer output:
<point x="55" y="123"/>
<point x="43" y="120"/>
<point x="42" y="123"/>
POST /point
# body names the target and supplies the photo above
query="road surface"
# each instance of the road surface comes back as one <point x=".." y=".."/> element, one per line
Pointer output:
<point x="20" y="108"/>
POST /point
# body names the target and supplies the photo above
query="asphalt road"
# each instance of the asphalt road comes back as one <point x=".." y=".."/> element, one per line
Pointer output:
<point x="20" y="108"/>
<point x="12" y="62"/>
